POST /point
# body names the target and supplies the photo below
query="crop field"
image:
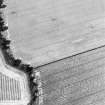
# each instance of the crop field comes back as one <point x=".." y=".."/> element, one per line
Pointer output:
<point x="43" y="31"/>
<point x="64" y="40"/>
<point x="13" y="86"/>
<point x="77" y="80"/>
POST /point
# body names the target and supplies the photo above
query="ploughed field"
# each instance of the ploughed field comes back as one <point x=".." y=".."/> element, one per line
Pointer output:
<point x="14" y="87"/>
<point x="43" y="31"/>
<point x="77" y="80"/>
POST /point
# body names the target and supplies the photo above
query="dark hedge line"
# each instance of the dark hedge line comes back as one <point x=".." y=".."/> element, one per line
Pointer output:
<point x="2" y="5"/>
<point x="16" y="63"/>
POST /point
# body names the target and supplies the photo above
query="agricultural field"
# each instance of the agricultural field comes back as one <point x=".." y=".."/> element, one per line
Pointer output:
<point x="14" y="87"/>
<point x="44" y="31"/>
<point x="64" y="41"/>
<point x="77" y="80"/>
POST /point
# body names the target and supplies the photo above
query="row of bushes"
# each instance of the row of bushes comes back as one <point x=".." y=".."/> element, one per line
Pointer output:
<point x="16" y="63"/>
<point x="2" y="5"/>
